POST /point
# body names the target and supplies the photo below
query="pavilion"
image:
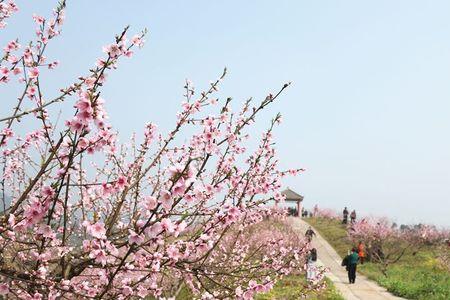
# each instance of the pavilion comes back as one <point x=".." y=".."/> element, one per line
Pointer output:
<point x="293" y="197"/>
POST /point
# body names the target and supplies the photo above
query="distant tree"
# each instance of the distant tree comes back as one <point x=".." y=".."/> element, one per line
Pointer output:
<point x="387" y="244"/>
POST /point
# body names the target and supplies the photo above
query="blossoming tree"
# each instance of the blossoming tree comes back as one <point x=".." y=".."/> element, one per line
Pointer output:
<point x="387" y="244"/>
<point x="83" y="216"/>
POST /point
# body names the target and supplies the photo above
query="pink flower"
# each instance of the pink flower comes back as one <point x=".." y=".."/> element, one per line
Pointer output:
<point x="238" y="291"/>
<point x="248" y="295"/>
<point x="84" y="104"/>
<point x="97" y="230"/>
<point x="4" y="289"/>
<point x="154" y="230"/>
<point x="166" y="200"/>
<point x="113" y="50"/>
<point x="85" y="116"/>
<point x="150" y="202"/>
<point x="47" y="192"/>
<point x="121" y="182"/>
<point x="33" y="72"/>
<point x="167" y="225"/>
<point x="38" y="19"/>
<point x="127" y="291"/>
<point x="11" y="46"/>
<point x="173" y="252"/>
<point x="31" y="91"/>
<point x="53" y="65"/>
<point x="99" y="256"/>
<point x="137" y="41"/>
<point x="46" y="231"/>
<point x="76" y="125"/>
<point x="4" y="71"/>
<point x="135" y="238"/>
<point x="83" y="143"/>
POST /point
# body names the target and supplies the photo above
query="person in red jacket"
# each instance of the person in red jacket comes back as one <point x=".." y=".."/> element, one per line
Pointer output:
<point x="361" y="252"/>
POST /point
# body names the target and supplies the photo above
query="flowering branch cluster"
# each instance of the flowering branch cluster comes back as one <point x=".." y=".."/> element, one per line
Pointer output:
<point x="83" y="216"/>
<point x="6" y="10"/>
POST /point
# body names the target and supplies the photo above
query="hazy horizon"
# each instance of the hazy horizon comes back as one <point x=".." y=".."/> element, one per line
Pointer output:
<point x="367" y="114"/>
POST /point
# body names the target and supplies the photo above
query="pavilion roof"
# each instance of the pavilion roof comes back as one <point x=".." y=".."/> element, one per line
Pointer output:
<point x="291" y="195"/>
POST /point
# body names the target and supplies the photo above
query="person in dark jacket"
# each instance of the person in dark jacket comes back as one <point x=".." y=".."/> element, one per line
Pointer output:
<point x="345" y="216"/>
<point x="309" y="234"/>
<point x="352" y="262"/>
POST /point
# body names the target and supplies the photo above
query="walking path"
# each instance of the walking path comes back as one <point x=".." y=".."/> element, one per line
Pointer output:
<point x="327" y="256"/>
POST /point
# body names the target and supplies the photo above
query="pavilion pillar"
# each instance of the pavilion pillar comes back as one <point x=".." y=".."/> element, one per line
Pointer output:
<point x="299" y="208"/>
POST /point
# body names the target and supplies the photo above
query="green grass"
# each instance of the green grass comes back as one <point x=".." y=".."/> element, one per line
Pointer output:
<point x="334" y="232"/>
<point x="414" y="276"/>
<point x="292" y="287"/>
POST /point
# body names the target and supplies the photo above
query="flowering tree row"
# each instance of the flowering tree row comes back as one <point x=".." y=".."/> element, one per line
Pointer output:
<point x="85" y="217"/>
<point x="387" y="244"/>
<point x="325" y="213"/>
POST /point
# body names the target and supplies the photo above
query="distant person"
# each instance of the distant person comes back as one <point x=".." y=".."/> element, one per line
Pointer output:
<point x="316" y="210"/>
<point x="345" y="216"/>
<point x="361" y="252"/>
<point x="350" y="261"/>
<point x="353" y="216"/>
<point x="309" y="234"/>
<point x="311" y="265"/>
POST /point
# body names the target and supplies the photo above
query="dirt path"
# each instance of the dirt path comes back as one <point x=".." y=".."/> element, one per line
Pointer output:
<point x="362" y="289"/>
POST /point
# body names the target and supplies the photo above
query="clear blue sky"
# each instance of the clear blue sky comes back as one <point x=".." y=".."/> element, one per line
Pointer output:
<point x="368" y="111"/>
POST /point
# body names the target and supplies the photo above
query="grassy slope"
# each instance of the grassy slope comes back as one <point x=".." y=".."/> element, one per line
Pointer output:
<point x="414" y="277"/>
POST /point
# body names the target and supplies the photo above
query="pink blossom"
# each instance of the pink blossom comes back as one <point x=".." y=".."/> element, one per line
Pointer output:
<point x="76" y="125"/>
<point x="11" y="46"/>
<point x="4" y="71"/>
<point x="166" y="200"/>
<point x="4" y="289"/>
<point x="150" y="202"/>
<point x="33" y="72"/>
<point x="113" y="50"/>
<point x="173" y="253"/>
<point x="99" y="256"/>
<point x="47" y="192"/>
<point x="97" y="230"/>
<point x="137" y="41"/>
<point x="85" y="116"/>
<point x="38" y="19"/>
<point x="135" y="238"/>
<point x="167" y="225"/>
<point x="84" y="105"/>
<point x="83" y="143"/>
<point x="53" y="65"/>
<point x="127" y="291"/>
<point x="121" y="182"/>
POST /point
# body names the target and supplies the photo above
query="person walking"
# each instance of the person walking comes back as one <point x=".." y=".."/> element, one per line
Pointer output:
<point x="361" y="252"/>
<point x="351" y="262"/>
<point x="311" y="265"/>
<point x="309" y="234"/>
<point x="345" y="216"/>
<point x="353" y="217"/>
